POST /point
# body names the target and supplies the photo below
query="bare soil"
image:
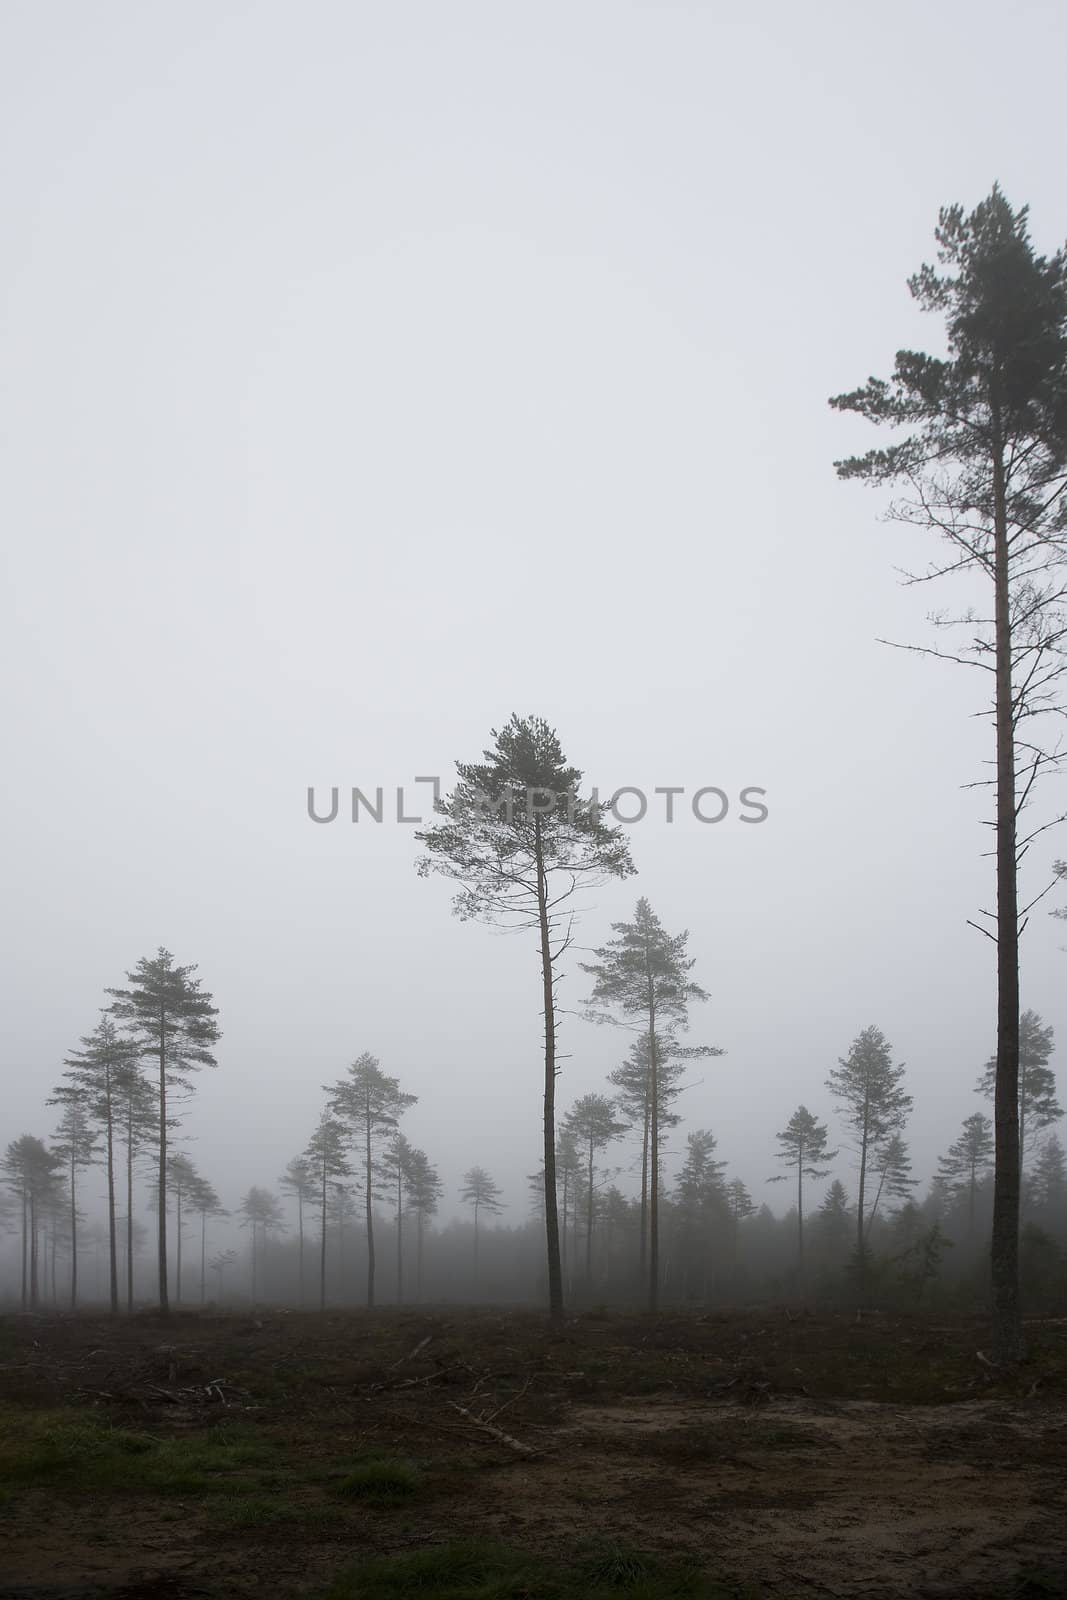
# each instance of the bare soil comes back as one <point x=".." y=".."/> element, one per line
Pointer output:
<point x="794" y="1455"/>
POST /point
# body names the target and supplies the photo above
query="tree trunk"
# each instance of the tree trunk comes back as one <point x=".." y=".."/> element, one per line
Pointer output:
<point x="476" y="1247"/>
<point x="25" y="1246"/>
<point x="800" y="1212"/>
<point x="73" y="1231"/>
<point x="322" y="1246"/>
<point x="112" y="1237"/>
<point x="1007" y="1322"/>
<point x="164" y="1298"/>
<point x="861" y="1243"/>
<point x="653" y="1198"/>
<point x="300" y="1228"/>
<point x="555" y="1269"/>
<point x="589" y="1226"/>
<point x="178" y="1253"/>
<point x="370" y="1216"/>
<point x="642" y="1251"/>
<point x="129" y="1216"/>
<point x="33" y="1252"/>
<point x="399" y="1234"/>
<point x="203" y="1256"/>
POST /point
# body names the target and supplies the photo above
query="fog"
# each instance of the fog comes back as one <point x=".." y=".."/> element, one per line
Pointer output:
<point x="371" y="373"/>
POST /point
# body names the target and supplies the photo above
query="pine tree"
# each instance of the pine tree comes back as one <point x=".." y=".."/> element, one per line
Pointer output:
<point x="568" y="1170"/>
<point x="206" y="1203"/>
<point x="75" y="1141"/>
<point x="298" y="1180"/>
<point x="424" y="1190"/>
<point x="984" y="463"/>
<point x="700" y="1196"/>
<point x="137" y="1129"/>
<point x="1048" y="1182"/>
<point x="99" y="1069"/>
<point x="866" y="1085"/>
<point x="396" y="1167"/>
<point x="327" y="1158"/>
<point x="483" y="1193"/>
<point x="804" y="1141"/>
<point x="633" y="1080"/>
<point x="593" y="1125"/>
<point x="892" y="1169"/>
<point x="967" y="1160"/>
<point x="740" y="1205"/>
<point x="644" y="972"/>
<point x="519" y="838"/>
<point x="182" y="1179"/>
<point x="34" y="1174"/>
<point x="218" y="1264"/>
<point x="173" y="1020"/>
<point x="371" y="1104"/>
<point x="833" y="1222"/>
<point x="1038" y="1106"/>
<point x="262" y="1213"/>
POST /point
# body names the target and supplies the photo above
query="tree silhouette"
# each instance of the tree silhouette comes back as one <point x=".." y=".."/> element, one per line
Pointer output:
<point x="644" y="971"/>
<point x="804" y="1143"/>
<point x="173" y="1019"/>
<point x="520" y="840"/>
<point x="984" y="463"/>
<point x="480" y="1191"/>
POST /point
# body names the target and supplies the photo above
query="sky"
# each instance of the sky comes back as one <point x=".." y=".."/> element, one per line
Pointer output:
<point x="369" y="372"/>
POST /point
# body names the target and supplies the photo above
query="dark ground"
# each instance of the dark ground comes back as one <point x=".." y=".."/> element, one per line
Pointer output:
<point x="781" y="1454"/>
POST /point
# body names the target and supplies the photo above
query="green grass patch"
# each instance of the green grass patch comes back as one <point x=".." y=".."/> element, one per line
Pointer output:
<point x="263" y="1511"/>
<point x="84" y="1452"/>
<point x="478" y="1571"/>
<point x="382" y="1480"/>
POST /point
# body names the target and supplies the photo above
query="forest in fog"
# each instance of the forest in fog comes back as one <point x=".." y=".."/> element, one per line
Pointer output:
<point x="360" y="1216"/>
<point x="632" y="1201"/>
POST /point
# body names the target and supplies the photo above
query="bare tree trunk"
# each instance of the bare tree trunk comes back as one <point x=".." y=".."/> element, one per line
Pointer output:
<point x="73" y="1231"/>
<point x="1007" y="1321"/>
<point x="370" y="1216"/>
<point x="322" y="1245"/>
<point x="800" y="1210"/>
<point x="112" y="1239"/>
<point x="555" y="1269"/>
<point x="861" y="1241"/>
<point x="589" y="1225"/>
<point x="643" y="1245"/>
<point x="399" y="1234"/>
<point x="164" y="1298"/>
<point x="178" y="1259"/>
<point x="25" y="1247"/>
<point x="33" y="1252"/>
<point x="129" y="1217"/>
<point x="203" y="1255"/>
<point x="653" y="1198"/>
<point x="300" y="1227"/>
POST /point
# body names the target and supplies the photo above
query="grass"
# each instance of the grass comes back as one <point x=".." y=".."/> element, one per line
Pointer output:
<point x="262" y="1511"/>
<point x="481" y="1571"/>
<point x="64" y="1448"/>
<point x="382" y="1479"/>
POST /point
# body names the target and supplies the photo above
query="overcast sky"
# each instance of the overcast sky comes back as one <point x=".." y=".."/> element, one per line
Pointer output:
<point x="372" y="371"/>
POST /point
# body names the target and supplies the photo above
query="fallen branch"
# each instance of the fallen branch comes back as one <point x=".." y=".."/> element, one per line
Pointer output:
<point x="494" y="1432"/>
<point x="412" y="1353"/>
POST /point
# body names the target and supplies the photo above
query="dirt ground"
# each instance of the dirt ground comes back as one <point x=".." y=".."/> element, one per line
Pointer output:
<point x="795" y="1455"/>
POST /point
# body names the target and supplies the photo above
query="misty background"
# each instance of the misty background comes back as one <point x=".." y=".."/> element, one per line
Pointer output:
<point x="370" y="373"/>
